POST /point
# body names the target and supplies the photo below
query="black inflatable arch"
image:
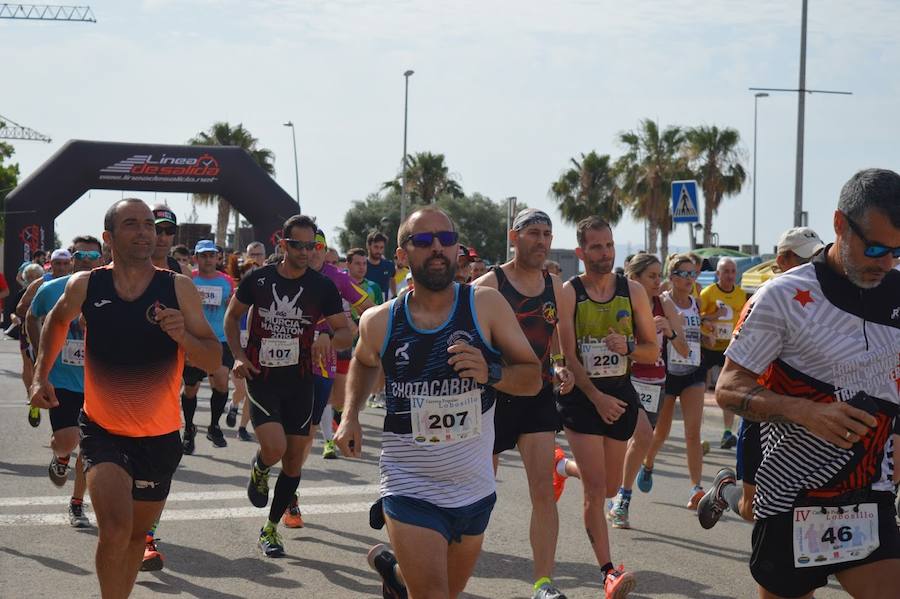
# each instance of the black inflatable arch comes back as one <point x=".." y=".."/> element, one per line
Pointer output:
<point x="79" y="166"/>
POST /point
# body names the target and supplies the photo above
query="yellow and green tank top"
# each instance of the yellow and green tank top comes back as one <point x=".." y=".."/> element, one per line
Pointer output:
<point x="593" y="321"/>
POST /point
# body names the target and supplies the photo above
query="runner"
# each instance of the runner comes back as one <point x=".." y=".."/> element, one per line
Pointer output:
<point x="720" y="307"/>
<point x="437" y="484"/>
<point x="166" y="228"/>
<point x="530" y="423"/>
<point x="256" y="252"/>
<point x="379" y="269"/>
<point x="605" y="321"/>
<point x="288" y="299"/>
<point x="215" y="291"/>
<point x="825" y="338"/>
<point x="796" y="247"/>
<point x="356" y="268"/>
<point x="31" y="273"/>
<point x="182" y="255"/>
<point x="140" y="322"/>
<point x="67" y="377"/>
<point x="239" y="398"/>
<point x="685" y="380"/>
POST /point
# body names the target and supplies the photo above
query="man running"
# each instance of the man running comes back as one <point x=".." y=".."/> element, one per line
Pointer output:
<point x="437" y="347"/>
<point x="605" y="321"/>
<point x="530" y="423"/>
<point x="356" y="268"/>
<point x="288" y="299"/>
<point x="215" y="292"/>
<point x="379" y="269"/>
<point x="825" y="338"/>
<point x="67" y="377"/>
<point x="140" y="323"/>
<point x="166" y="228"/>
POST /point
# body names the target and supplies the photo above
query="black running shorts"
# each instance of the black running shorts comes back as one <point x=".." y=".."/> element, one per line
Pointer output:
<point x="65" y="415"/>
<point x="514" y="416"/>
<point x="772" y="559"/>
<point x="288" y="402"/>
<point x="710" y="358"/>
<point x="192" y="376"/>
<point x="677" y="383"/>
<point x="578" y="413"/>
<point x="149" y="461"/>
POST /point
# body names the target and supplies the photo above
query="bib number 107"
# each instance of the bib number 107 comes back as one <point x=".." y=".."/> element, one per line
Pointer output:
<point x="438" y="421"/>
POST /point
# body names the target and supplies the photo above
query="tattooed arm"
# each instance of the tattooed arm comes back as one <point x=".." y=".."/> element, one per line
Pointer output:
<point x="738" y="390"/>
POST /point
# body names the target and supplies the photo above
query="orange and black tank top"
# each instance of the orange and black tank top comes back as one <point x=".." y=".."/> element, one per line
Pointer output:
<point x="132" y="368"/>
<point x="536" y="315"/>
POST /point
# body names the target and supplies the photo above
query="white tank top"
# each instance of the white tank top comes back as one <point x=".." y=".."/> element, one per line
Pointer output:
<point x="676" y="363"/>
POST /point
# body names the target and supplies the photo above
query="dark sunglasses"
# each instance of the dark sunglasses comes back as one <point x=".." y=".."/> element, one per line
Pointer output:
<point x="165" y="230"/>
<point x="684" y="274"/>
<point x="86" y="255"/>
<point x="301" y="245"/>
<point x="424" y="240"/>
<point x="873" y="248"/>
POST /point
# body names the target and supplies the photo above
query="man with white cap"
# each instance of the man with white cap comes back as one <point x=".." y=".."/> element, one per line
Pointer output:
<point x="797" y="246"/>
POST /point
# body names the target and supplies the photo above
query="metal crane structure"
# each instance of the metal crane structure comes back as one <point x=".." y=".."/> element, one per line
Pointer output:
<point x="47" y="12"/>
<point x="10" y="129"/>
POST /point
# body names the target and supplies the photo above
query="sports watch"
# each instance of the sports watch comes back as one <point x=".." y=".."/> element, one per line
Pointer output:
<point x="495" y="373"/>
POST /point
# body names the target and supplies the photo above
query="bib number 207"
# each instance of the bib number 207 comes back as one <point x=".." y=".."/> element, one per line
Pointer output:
<point x="438" y="421"/>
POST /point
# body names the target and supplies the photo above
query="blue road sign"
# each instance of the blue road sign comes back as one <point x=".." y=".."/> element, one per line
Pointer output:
<point x="684" y="202"/>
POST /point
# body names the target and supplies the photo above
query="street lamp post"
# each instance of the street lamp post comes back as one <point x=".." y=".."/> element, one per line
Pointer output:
<point x="756" y="98"/>
<point x="406" y="76"/>
<point x="296" y="163"/>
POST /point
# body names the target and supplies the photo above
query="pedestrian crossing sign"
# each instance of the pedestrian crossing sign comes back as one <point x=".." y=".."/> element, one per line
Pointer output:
<point x="684" y="202"/>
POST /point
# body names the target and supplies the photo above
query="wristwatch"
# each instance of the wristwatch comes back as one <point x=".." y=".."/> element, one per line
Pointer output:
<point x="630" y="345"/>
<point x="674" y="335"/>
<point x="495" y="373"/>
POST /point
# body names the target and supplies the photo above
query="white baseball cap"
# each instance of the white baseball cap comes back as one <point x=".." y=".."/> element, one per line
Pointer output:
<point x="803" y="241"/>
<point x="60" y="254"/>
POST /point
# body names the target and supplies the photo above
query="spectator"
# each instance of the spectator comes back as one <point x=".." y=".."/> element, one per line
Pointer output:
<point x="256" y="252"/>
<point x="380" y="270"/>
<point x="183" y="255"/>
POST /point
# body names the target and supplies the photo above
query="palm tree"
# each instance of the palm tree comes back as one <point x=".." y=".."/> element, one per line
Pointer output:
<point x="223" y="134"/>
<point x="588" y="188"/>
<point x="715" y="156"/>
<point x="652" y="160"/>
<point x="427" y="178"/>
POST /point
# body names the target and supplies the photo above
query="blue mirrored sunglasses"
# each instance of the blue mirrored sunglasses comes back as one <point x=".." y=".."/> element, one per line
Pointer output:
<point x="424" y="240"/>
<point x="873" y="248"/>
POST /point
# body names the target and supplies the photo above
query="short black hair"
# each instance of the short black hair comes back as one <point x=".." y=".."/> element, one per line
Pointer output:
<point x="39" y="253"/>
<point x="88" y="239"/>
<point x="375" y="237"/>
<point x="109" y="220"/>
<point x="298" y="220"/>
<point x="594" y="223"/>
<point x="181" y="250"/>
<point x="872" y="188"/>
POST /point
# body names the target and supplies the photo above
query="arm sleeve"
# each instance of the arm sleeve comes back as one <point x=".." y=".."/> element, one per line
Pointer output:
<point x="761" y="332"/>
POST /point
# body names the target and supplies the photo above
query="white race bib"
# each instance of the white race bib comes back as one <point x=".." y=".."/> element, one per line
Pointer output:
<point x="279" y="352"/>
<point x="73" y="352"/>
<point x="692" y="359"/>
<point x="649" y="395"/>
<point x="724" y="330"/>
<point x="245" y="335"/>
<point x="210" y="295"/>
<point x="844" y="534"/>
<point x="601" y="362"/>
<point x="446" y="419"/>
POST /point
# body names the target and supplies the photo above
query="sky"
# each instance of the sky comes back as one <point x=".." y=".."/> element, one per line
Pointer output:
<point x="508" y="91"/>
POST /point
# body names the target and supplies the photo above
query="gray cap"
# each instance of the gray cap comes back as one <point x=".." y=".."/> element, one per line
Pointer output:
<point x="531" y="216"/>
<point x="803" y="241"/>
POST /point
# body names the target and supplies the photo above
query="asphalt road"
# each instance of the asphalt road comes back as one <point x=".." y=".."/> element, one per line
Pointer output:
<point x="209" y="530"/>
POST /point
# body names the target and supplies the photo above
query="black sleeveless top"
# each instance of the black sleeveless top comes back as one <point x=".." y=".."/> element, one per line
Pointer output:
<point x="536" y="315"/>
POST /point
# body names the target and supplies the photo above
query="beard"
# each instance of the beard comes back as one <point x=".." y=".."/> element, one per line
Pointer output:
<point x="855" y="270"/>
<point x="434" y="280"/>
<point x="599" y="267"/>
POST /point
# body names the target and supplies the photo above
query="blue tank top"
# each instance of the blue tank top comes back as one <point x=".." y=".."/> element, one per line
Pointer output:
<point x="439" y="428"/>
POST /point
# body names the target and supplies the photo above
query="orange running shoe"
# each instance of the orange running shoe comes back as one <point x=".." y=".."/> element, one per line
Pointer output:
<point x="559" y="481"/>
<point x="153" y="559"/>
<point x="696" y="495"/>
<point x="618" y="583"/>
<point x="292" y="517"/>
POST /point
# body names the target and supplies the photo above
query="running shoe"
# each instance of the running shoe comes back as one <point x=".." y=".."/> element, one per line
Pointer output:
<point x="696" y="495"/>
<point x="713" y="504"/>
<point x="645" y="479"/>
<point x="153" y="559"/>
<point x="187" y="445"/>
<point x="705" y="446"/>
<point x="559" y="481"/>
<point x="270" y="541"/>
<point x="329" y="452"/>
<point x="382" y="560"/>
<point x="728" y="440"/>
<point x="215" y="434"/>
<point x="292" y="517"/>
<point x="378" y="400"/>
<point x="618" y="515"/>
<point x="548" y="591"/>
<point x="244" y="435"/>
<point x="231" y="416"/>
<point x="77" y="519"/>
<point x="34" y="416"/>
<point x="618" y="583"/>
<point x="59" y="471"/>
<point x="258" y="487"/>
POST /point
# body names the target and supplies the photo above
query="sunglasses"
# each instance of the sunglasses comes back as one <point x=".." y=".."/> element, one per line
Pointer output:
<point x="301" y="245"/>
<point x="873" y="248"/>
<point x="684" y="274"/>
<point x="424" y="240"/>
<point x="86" y="255"/>
<point x="165" y="230"/>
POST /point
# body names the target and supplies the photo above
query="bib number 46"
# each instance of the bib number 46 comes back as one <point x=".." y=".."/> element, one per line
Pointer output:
<point x="842" y="534"/>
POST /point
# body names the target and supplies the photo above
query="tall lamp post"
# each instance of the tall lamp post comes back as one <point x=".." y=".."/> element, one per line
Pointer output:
<point x="296" y="163"/>
<point x="756" y="98"/>
<point x="406" y="76"/>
